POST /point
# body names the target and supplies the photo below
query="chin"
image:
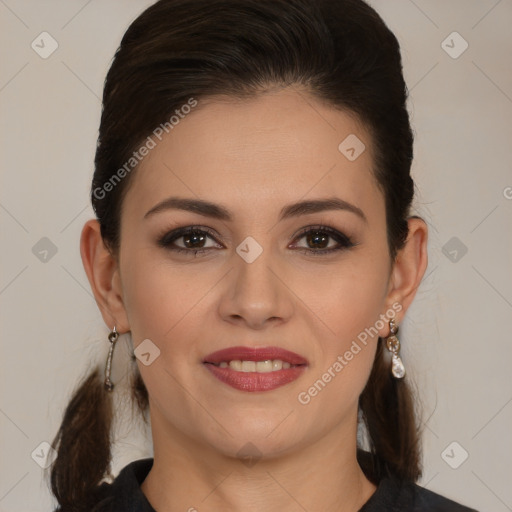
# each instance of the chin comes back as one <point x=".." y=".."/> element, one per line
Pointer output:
<point x="257" y="439"/>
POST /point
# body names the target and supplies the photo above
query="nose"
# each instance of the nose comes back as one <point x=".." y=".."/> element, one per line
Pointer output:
<point x="256" y="294"/>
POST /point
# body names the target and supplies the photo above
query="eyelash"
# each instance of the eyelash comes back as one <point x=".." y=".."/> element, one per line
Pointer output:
<point x="342" y="239"/>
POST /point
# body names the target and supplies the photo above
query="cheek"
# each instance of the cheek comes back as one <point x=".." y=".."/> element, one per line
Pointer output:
<point x="163" y="304"/>
<point x="356" y="304"/>
<point x="345" y="297"/>
<point x="158" y="295"/>
<point x="347" y="301"/>
<point x="344" y="355"/>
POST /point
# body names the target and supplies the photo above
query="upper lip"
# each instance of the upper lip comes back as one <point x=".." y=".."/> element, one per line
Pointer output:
<point x="254" y="354"/>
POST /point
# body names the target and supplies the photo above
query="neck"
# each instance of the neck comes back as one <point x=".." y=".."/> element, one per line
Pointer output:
<point x="323" y="476"/>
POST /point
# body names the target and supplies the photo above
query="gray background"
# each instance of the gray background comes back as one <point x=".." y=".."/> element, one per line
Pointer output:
<point x="456" y="338"/>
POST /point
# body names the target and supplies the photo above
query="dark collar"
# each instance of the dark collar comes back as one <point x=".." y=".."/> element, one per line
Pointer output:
<point x="124" y="493"/>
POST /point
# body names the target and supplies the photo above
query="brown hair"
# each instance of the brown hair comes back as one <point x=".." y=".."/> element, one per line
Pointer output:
<point x="343" y="54"/>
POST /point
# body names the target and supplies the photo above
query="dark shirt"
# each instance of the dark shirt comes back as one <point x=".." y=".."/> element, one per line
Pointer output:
<point x="125" y="495"/>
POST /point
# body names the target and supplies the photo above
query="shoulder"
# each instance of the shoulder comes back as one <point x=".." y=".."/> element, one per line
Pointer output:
<point x="426" y="500"/>
<point x="124" y="493"/>
<point x="399" y="496"/>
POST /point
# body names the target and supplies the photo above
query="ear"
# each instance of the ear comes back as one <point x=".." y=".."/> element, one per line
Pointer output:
<point x="102" y="270"/>
<point x="408" y="269"/>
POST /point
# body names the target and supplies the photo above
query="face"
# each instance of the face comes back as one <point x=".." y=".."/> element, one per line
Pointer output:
<point x="307" y="281"/>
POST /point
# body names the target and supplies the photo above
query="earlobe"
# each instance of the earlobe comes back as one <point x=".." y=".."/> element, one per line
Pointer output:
<point x="102" y="271"/>
<point x="409" y="266"/>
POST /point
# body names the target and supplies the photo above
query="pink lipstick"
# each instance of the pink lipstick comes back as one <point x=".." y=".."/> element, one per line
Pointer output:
<point x="255" y="369"/>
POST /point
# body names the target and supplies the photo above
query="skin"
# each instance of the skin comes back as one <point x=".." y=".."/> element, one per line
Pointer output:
<point x="254" y="156"/>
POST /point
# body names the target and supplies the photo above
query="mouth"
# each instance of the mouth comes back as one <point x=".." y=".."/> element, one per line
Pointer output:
<point x="255" y="369"/>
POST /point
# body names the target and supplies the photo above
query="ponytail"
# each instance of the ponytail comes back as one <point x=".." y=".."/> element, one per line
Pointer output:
<point x="83" y="447"/>
<point x="387" y="406"/>
<point x="83" y="442"/>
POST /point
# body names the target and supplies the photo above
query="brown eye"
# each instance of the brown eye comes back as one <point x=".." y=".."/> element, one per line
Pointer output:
<point x="318" y="240"/>
<point x="193" y="239"/>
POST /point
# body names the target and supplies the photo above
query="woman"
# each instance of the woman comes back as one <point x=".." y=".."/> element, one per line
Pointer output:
<point x="253" y="236"/>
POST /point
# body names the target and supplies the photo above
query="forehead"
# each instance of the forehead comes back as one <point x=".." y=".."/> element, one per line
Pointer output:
<point x="262" y="152"/>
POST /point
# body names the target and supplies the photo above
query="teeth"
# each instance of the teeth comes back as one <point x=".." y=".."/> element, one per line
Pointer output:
<point x="248" y="366"/>
<point x="256" y="366"/>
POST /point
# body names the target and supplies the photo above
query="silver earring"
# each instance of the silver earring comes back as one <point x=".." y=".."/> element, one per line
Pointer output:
<point x="112" y="337"/>
<point x="393" y="345"/>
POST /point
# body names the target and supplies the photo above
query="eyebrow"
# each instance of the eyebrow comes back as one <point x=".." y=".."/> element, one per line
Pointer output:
<point x="208" y="209"/>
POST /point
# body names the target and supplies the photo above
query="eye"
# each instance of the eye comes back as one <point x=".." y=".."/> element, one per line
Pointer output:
<point x="318" y="238"/>
<point x="195" y="238"/>
<point x="192" y="237"/>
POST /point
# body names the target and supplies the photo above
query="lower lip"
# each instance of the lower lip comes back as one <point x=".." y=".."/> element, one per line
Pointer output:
<point x="255" y="381"/>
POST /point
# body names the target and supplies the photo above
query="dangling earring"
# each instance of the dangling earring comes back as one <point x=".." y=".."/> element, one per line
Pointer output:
<point x="393" y="345"/>
<point x="112" y="337"/>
